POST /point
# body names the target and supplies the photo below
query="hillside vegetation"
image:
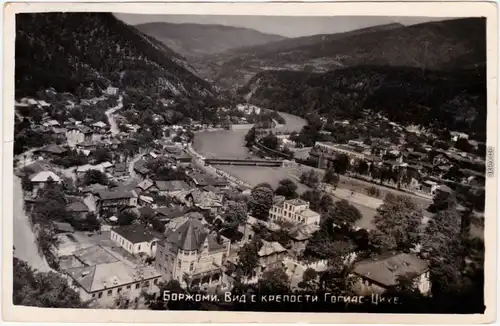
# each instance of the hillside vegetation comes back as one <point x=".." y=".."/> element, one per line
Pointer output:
<point x="450" y="100"/>
<point x="195" y="40"/>
<point x="86" y="52"/>
<point x="444" y="45"/>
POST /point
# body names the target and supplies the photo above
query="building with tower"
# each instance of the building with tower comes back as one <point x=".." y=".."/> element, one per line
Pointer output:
<point x="190" y="253"/>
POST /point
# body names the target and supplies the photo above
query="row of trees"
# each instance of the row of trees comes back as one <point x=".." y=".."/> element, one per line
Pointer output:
<point x="43" y="290"/>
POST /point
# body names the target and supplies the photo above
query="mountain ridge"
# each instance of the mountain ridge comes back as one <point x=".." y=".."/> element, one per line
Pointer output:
<point x="190" y="39"/>
<point x="437" y="45"/>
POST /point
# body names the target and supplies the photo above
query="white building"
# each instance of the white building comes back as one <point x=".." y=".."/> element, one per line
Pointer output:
<point x="190" y="252"/>
<point x="296" y="211"/>
<point x="104" y="283"/>
<point x="135" y="239"/>
<point x="41" y="179"/>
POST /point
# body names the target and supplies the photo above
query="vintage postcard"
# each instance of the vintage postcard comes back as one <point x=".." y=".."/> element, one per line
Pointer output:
<point x="250" y="162"/>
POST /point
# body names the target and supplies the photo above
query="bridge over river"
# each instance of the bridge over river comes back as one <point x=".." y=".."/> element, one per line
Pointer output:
<point x="244" y="162"/>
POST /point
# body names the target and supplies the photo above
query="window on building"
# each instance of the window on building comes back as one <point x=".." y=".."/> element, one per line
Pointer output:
<point x="99" y="295"/>
<point x="129" y="286"/>
<point x="139" y="247"/>
<point x="119" y="290"/>
<point x="146" y="284"/>
<point x="191" y="266"/>
<point x="110" y="292"/>
<point x="179" y="264"/>
<point x="137" y="285"/>
<point x="155" y="281"/>
<point x="93" y="295"/>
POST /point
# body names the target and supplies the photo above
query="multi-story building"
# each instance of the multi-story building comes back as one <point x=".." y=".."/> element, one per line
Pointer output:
<point x="375" y="276"/>
<point x="296" y="211"/>
<point x="190" y="253"/>
<point x="113" y="201"/>
<point x="102" y="276"/>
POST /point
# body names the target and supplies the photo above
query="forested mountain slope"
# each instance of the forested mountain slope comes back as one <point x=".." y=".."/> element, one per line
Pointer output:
<point x="195" y="40"/>
<point x="443" y="45"/>
<point x="453" y="100"/>
<point x="86" y="52"/>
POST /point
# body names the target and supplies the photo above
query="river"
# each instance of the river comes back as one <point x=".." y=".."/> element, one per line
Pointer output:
<point x="231" y="143"/>
<point x="24" y="238"/>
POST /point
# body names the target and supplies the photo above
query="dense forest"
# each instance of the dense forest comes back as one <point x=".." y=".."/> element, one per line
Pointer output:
<point x="71" y="52"/>
<point x="449" y="100"/>
<point x="444" y="45"/>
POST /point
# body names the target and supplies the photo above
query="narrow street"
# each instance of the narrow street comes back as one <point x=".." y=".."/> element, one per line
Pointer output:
<point x="24" y="238"/>
<point x="109" y="113"/>
<point x="133" y="175"/>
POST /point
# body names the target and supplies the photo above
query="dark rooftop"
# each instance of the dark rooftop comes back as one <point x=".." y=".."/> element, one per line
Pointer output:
<point x="116" y="194"/>
<point x="135" y="233"/>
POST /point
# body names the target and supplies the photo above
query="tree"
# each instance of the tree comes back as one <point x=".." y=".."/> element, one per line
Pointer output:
<point x="235" y="214"/>
<point x="248" y="258"/>
<point x="341" y="163"/>
<point x="310" y="281"/>
<point x="261" y="201"/>
<point x="274" y="281"/>
<point x="90" y="223"/>
<point x="26" y="182"/>
<point x="442" y="201"/>
<point x="250" y="137"/>
<point x="95" y="176"/>
<point x="39" y="289"/>
<point x="310" y="178"/>
<point x="331" y="178"/>
<point x="344" y="214"/>
<point x="318" y="201"/>
<point x="270" y="141"/>
<point x="443" y="245"/>
<point x="398" y="219"/>
<point x="362" y="167"/>
<point x="441" y="233"/>
<point x="126" y="217"/>
<point x="287" y="188"/>
<point x="102" y="155"/>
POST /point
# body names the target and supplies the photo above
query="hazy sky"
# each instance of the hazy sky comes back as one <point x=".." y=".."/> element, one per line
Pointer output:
<point x="285" y="26"/>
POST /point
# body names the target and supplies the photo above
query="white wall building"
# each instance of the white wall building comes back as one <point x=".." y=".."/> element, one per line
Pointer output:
<point x="296" y="211"/>
<point x="105" y="283"/>
<point x="135" y="239"/>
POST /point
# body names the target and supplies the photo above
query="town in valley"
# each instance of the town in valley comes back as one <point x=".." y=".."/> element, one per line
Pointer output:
<point x="168" y="166"/>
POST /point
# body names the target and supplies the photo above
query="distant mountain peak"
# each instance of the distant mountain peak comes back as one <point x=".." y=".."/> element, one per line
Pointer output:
<point x="195" y="40"/>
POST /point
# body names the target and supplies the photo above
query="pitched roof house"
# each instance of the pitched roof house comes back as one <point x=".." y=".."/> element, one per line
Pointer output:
<point x="379" y="274"/>
<point x="45" y="176"/>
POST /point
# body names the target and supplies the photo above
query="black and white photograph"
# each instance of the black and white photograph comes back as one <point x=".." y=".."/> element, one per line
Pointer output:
<point x="292" y="164"/>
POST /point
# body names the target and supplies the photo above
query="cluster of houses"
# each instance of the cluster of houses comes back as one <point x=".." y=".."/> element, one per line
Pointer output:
<point x="120" y="263"/>
<point x="429" y="174"/>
